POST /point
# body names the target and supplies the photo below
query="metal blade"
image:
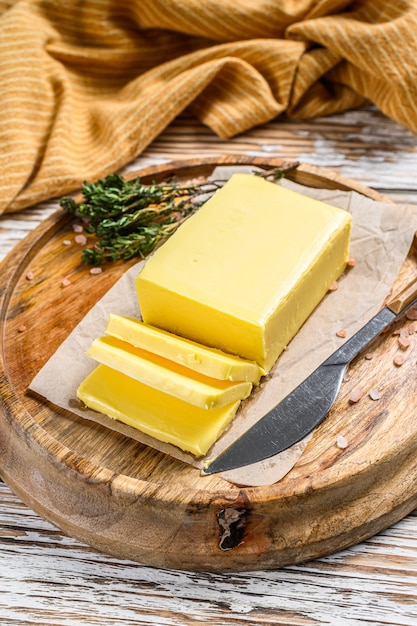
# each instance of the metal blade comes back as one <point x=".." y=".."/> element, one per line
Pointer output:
<point x="303" y="408"/>
<point x="287" y="423"/>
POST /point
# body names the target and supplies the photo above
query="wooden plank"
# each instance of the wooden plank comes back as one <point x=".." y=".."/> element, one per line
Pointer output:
<point x="51" y="579"/>
<point x="361" y="144"/>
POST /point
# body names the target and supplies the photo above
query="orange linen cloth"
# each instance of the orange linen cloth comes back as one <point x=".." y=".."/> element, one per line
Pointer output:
<point x="86" y="86"/>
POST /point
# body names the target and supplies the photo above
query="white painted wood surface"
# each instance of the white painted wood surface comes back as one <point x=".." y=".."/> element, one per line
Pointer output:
<point x="47" y="578"/>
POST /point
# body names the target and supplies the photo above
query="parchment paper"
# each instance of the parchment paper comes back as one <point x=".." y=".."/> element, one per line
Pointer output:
<point x="381" y="237"/>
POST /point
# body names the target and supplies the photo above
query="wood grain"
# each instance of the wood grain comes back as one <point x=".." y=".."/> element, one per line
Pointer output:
<point x="133" y="502"/>
<point x="360" y="144"/>
<point x="51" y="579"/>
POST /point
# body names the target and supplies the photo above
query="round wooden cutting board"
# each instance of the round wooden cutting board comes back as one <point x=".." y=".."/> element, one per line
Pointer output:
<point x="133" y="502"/>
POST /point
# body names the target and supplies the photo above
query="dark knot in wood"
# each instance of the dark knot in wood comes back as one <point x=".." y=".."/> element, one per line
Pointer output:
<point x="232" y="523"/>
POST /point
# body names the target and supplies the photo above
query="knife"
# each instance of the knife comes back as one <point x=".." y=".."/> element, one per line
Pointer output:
<point x="307" y="405"/>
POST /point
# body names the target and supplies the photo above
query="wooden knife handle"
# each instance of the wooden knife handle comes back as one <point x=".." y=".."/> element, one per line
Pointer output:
<point x="403" y="299"/>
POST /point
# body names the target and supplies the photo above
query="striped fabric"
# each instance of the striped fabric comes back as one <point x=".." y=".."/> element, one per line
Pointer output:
<point x="86" y="86"/>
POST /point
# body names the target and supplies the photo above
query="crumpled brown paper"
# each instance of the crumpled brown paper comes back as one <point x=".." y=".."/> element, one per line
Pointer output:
<point x="381" y="237"/>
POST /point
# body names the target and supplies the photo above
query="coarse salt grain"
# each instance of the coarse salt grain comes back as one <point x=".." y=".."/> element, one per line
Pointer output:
<point x="30" y="276"/>
<point x="351" y="261"/>
<point x="334" y="286"/>
<point x="411" y="314"/>
<point x="369" y="356"/>
<point x="404" y="342"/>
<point x="21" y="328"/>
<point x="398" y="360"/>
<point x="66" y="242"/>
<point x="341" y="333"/>
<point x="77" y="228"/>
<point x="374" y="394"/>
<point x="65" y="282"/>
<point x="356" y="395"/>
<point x="96" y="270"/>
<point x="341" y="442"/>
<point x="80" y="239"/>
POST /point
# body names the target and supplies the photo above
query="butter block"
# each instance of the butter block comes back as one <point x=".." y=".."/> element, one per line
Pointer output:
<point x="167" y="376"/>
<point x="195" y="356"/>
<point x="153" y="412"/>
<point x="246" y="270"/>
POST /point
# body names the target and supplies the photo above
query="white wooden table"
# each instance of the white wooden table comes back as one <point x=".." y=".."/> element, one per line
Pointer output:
<point x="50" y="579"/>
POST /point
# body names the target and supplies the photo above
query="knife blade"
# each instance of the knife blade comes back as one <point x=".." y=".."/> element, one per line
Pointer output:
<point x="307" y="405"/>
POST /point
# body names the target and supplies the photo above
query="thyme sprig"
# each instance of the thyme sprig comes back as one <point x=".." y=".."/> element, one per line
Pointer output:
<point x="129" y="218"/>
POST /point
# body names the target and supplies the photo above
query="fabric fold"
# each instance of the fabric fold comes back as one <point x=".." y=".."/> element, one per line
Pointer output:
<point x="86" y="87"/>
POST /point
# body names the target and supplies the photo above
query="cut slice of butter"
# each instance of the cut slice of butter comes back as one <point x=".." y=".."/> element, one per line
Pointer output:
<point x="190" y="354"/>
<point x="167" y="376"/>
<point x="155" y="413"/>
<point x="244" y="272"/>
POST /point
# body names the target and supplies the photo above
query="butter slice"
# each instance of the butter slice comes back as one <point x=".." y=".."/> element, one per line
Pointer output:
<point x="157" y="414"/>
<point x="167" y="376"/>
<point x="195" y="356"/>
<point x="246" y="270"/>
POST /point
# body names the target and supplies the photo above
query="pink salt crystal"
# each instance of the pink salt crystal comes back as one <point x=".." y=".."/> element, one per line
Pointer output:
<point x="341" y="442"/>
<point x="351" y="261"/>
<point x="77" y="228"/>
<point x="369" y="356"/>
<point x="65" y="282"/>
<point x="341" y="333"/>
<point x="404" y="342"/>
<point x="411" y="314"/>
<point x="30" y="276"/>
<point x="80" y="239"/>
<point x="374" y="394"/>
<point x="96" y="270"/>
<point x="398" y="360"/>
<point x="21" y="328"/>
<point x="356" y="395"/>
<point x="334" y="286"/>
<point x="66" y="242"/>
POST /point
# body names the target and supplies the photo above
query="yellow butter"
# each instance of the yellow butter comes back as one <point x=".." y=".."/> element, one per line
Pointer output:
<point x="190" y="354"/>
<point x="155" y="413"/>
<point x="167" y="376"/>
<point x="245" y="271"/>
